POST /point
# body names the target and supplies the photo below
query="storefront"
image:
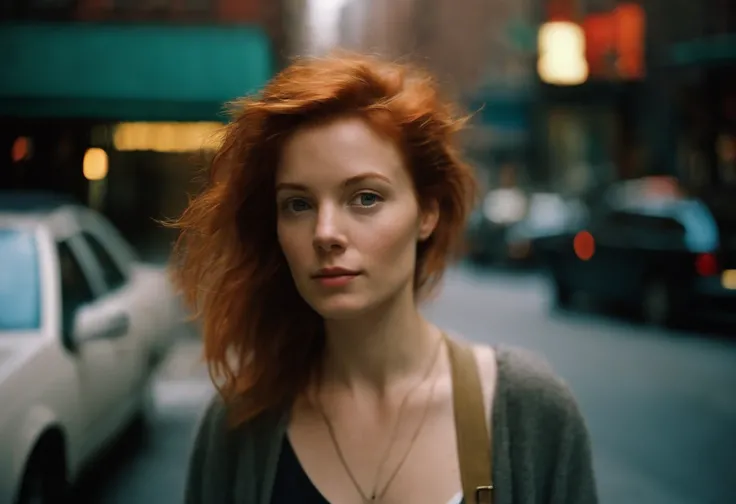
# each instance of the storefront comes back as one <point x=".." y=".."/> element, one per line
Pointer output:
<point x="703" y="73"/>
<point x="129" y="72"/>
<point x="140" y="100"/>
<point x="588" y="127"/>
<point x="499" y="138"/>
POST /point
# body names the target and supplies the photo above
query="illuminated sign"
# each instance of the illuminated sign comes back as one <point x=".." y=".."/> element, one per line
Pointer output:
<point x="167" y="137"/>
<point x="612" y="44"/>
<point x="614" y="47"/>
<point x="562" y="54"/>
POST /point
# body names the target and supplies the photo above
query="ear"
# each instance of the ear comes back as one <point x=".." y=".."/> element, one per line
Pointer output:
<point x="428" y="219"/>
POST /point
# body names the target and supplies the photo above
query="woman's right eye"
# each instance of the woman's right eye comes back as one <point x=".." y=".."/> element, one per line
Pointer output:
<point x="297" y="205"/>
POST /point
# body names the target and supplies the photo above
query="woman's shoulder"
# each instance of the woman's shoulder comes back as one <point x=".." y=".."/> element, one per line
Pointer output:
<point x="532" y="393"/>
<point x="528" y="375"/>
<point x="221" y="448"/>
<point x="538" y="409"/>
<point x="212" y="432"/>
<point x="209" y="455"/>
<point x="216" y="426"/>
<point x="525" y="380"/>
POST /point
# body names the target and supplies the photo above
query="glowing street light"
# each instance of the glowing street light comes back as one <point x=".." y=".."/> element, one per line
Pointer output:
<point x="562" y="54"/>
<point x="95" y="164"/>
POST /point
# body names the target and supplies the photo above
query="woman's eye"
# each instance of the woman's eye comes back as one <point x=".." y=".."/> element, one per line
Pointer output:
<point x="367" y="199"/>
<point x="297" y="205"/>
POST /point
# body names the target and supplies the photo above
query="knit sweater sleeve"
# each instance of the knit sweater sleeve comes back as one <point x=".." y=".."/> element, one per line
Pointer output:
<point x="548" y="440"/>
<point x="209" y="458"/>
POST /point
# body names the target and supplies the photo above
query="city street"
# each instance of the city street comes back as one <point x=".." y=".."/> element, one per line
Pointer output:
<point x="661" y="406"/>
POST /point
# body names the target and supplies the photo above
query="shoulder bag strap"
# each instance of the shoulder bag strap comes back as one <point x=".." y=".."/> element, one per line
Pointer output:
<point x="473" y="438"/>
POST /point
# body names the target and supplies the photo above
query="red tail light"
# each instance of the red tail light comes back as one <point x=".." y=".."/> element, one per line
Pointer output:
<point x="706" y="264"/>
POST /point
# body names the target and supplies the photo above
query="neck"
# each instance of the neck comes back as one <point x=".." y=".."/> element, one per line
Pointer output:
<point x="391" y="343"/>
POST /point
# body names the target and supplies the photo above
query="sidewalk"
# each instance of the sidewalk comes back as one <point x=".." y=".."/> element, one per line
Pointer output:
<point x="184" y="362"/>
<point x="182" y="386"/>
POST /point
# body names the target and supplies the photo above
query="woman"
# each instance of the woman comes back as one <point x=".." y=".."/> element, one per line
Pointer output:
<point x="334" y="203"/>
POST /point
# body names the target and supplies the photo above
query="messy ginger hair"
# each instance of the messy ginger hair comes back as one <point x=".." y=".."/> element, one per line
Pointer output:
<point x="262" y="341"/>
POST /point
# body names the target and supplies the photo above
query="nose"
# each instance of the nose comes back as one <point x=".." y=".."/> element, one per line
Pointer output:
<point x="328" y="234"/>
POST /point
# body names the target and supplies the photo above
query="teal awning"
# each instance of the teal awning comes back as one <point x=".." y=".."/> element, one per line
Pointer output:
<point x="707" y="50"/>
<point x="124" y="71"/>
<point x="502" y="109"/>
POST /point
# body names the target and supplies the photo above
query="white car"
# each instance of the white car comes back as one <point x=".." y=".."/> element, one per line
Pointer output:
<point x="82" y="324"/>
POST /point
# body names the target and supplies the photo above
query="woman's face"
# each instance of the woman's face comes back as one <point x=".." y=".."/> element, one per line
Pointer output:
<point x="348" y="218"/>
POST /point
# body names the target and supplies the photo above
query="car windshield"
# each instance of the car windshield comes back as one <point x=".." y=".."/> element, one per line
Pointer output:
<point x="20" y="293"/>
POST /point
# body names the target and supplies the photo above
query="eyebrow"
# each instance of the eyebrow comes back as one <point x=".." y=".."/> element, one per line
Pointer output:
<point x="347" y="183"/>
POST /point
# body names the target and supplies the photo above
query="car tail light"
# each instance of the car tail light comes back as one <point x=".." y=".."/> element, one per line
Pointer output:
<point x="584" y="245"/>
<point x="706" y="264"/>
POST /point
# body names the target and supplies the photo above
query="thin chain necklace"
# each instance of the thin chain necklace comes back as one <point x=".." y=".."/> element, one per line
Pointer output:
<point x="376" y="496"/>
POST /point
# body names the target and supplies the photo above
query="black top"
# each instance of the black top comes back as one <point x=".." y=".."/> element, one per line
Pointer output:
<point x="292" y="485"/>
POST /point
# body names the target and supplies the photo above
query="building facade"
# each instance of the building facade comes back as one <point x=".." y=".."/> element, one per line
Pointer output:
<point x="694" y="91"/>
<point x="481" y="53"/>
<point x="659" y="97"/>
<point x="467" y="45"/>
<point x="588" y="131"/>
<point x="77" y="71"/>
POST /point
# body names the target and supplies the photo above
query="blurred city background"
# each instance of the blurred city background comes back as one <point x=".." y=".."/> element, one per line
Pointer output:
<point x="604" y="138"/>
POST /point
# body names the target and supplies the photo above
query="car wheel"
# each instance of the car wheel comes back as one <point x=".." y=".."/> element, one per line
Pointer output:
<point x="658" y="307"/>
<point x="44" y="480"/>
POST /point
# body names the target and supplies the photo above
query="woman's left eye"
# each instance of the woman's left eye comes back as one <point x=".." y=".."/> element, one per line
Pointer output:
<point x="367" y="199"/>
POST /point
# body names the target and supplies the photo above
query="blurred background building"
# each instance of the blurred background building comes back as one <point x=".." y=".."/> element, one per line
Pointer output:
<point x="482" y="53"/>
<point x="648" y="92"/>
<point x="143" y="82"/>
<point x="566" y="95"/>
<point x="577" y="106"/>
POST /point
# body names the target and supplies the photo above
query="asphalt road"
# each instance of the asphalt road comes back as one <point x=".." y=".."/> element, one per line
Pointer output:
<point x="660" y="406"/>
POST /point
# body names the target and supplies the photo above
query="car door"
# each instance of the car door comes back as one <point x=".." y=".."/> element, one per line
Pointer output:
<point x="94" y="360"/>
<point x="659" y="251"/>
<point x="574" y="246"/>
<point x="116" y="299"/>
<point x="606" y="274"/>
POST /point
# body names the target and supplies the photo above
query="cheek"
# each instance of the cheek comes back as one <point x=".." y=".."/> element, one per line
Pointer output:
<point x="392" y="243"/>
<point x="291" y="245"/>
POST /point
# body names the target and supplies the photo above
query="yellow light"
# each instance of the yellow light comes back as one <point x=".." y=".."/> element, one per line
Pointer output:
<point x="167" y="137"/>
<point x="95" y="164"/>
<point x="562" y="54"/>
<point x="729" y="279"/>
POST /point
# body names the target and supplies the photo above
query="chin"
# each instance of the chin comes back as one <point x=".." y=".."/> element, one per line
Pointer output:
<point x="341" y="307"/>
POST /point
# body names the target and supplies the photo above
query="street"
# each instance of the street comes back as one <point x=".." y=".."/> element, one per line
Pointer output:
<point x="660" y="406"/>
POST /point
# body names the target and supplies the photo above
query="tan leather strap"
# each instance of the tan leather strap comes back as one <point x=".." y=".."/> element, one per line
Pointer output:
<point x="473" y="438"/>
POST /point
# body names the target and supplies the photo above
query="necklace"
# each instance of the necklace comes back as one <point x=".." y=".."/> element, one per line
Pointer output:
<point x="376" y="495"/>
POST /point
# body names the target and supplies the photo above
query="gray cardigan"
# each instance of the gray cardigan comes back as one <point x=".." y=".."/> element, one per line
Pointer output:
<point x="541" y="448"/>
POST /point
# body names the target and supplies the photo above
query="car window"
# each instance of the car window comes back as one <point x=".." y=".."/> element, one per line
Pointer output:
<point x="75" y="288"/>
<point x="638" y="221"/>
<point x="646" y="231"/>
<point x="665" y="224"/>
<point x="20" y="285"/>
<point x="112" y="274"/>
<point x="617" y="219"/>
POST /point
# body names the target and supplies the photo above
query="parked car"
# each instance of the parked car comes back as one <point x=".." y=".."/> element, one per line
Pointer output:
<point x="82" y="325"/>
<point x="549" y="214"/>
<point x="650" y="245"/>
<point x="504" y="230"/>
<point x="489" y="224"/>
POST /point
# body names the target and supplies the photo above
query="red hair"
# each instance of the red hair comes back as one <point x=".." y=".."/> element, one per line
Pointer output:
<point x="262" y="341"/>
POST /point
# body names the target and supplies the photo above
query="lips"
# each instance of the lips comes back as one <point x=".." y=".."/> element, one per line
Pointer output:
<point x="335" y="277"/>
<point x="335" y="273"/>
